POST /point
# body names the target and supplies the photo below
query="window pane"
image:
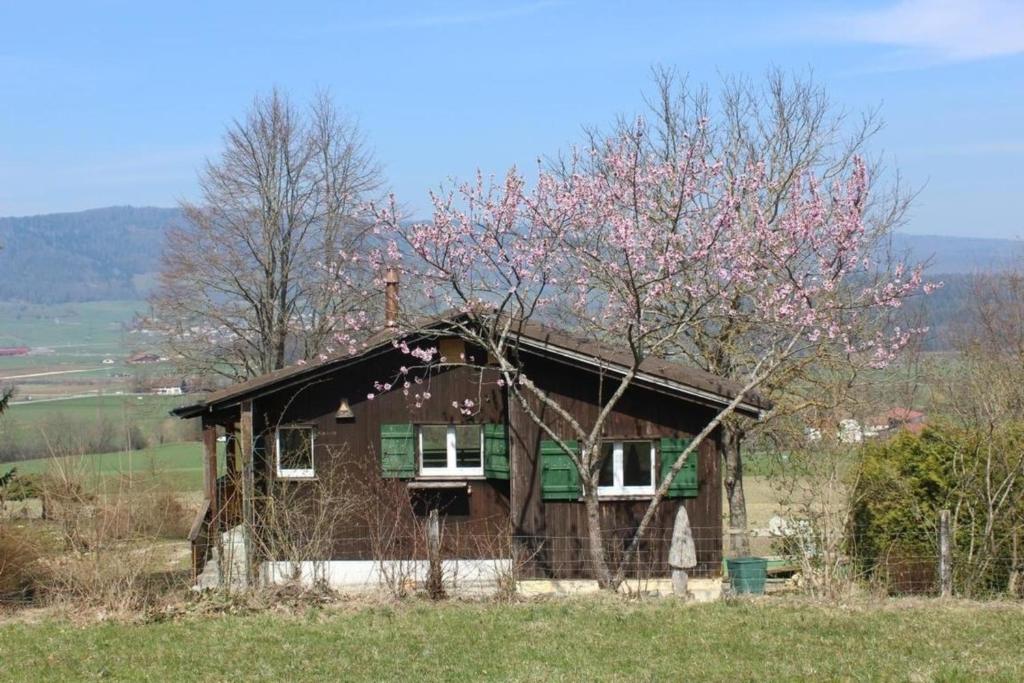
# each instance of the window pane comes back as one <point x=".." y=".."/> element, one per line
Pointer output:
<point x="296" y="449"/>
<point x="467" y="445"/>
<point x="636" y="463"/>
<point x="607" y="476"/>
<point x="434" y="444"/>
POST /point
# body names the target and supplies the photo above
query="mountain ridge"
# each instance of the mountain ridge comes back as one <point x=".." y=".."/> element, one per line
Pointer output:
<point x="113" y="252"/>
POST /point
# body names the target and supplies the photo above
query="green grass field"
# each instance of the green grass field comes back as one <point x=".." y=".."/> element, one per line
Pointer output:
<point x="77" y="424"/>
<point x="594" y="639"/>
<point x="96" y="324"/>
<point x="147" y="411"/>
<point x="178" y="465"/>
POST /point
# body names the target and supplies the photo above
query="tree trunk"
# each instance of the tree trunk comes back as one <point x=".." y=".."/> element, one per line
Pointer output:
<point x="739" y="543"/>
<point x="596" y="538"/>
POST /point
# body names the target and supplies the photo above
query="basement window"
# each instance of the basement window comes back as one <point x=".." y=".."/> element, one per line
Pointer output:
<point x="450" y="450"/>
<point x="295" y="452"/>
<point x="627" y="469"/>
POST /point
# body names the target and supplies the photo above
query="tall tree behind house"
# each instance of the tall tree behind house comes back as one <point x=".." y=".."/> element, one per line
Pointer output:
<point x="253" y="281"/>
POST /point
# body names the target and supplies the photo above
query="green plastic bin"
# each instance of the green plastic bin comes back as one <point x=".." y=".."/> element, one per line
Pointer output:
<point x="747" y="574"/>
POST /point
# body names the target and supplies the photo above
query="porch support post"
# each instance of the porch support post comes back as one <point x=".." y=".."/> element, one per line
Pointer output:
<point x="210" y="466"/>
<point x="230" y="449"/>
<point x="248" y="488"/>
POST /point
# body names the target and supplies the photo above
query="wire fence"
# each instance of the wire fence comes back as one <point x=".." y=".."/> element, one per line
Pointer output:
<point x="801" y="558"/>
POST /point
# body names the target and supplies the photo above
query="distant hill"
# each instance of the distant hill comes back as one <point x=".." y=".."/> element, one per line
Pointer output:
<point x="95" y="255"/>
<point x="963" y="255"/>
<point x="113" y="253"/>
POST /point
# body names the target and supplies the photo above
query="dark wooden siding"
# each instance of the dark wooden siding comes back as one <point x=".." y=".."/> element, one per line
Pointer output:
<point x="556" y="531"/>
<point x="347" y="453"/>
<point x="553" y="533"/>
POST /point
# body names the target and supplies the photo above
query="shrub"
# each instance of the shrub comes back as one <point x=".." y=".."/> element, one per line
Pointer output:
<point x="907" y="480"/>
<point x="18" y="566"/>
<point x="160" y="515"/>
<point x="21" y="486"/>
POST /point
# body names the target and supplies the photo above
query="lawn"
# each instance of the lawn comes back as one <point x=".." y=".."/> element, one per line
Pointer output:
<point x="594" y="639"/>
<point x="146" y="411"/>
<point x="179" y="465"/>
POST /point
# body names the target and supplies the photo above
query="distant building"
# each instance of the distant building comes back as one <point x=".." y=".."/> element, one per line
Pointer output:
<point x="13" y="350"/>
<point x="168" y="391"/>
<point x="850" y="431"/>
<point x="913" y="421"/>
<point x="143" y="358"/>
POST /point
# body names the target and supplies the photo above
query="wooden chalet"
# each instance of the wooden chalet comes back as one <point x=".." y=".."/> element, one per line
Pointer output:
<point x="490" y="474"/>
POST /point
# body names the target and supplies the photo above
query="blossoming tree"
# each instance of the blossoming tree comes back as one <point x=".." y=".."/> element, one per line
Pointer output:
<point x="602" y="246"/>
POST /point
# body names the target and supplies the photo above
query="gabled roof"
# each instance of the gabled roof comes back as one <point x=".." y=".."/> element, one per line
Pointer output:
<point x="657" y="374"/>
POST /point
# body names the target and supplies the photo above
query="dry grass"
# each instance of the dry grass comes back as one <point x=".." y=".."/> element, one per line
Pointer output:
<point x="119" y="551"/>
<point x="19" y="558"/>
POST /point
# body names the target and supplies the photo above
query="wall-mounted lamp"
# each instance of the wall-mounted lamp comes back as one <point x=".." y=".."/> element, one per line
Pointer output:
<point x="344" y="411"/>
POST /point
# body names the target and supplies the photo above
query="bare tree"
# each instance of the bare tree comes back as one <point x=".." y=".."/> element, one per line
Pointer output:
<point x="787" y="126"/>
<point x="985" y="393"/>
<point x="254" y="281"/>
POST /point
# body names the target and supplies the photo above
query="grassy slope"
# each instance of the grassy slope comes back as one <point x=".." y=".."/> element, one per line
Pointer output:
<point x="572" y="640"/>
<point x="177" y="464"/>
<point x="68" y="338"/>
<point x="93" y="324"/>
<point x="26" y="423"/>
<point x="146" y="411"/>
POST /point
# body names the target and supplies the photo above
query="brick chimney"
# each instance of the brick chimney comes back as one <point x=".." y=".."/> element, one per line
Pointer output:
<point x="391" y="297"/>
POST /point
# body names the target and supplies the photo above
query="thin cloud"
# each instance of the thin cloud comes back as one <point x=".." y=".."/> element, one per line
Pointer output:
<point x="484" y="16"/>
<point x="931" y="31"/>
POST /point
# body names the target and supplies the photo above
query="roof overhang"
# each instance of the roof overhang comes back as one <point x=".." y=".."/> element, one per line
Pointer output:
<point x="753" y="406"/>
<point x="647" y="379"/>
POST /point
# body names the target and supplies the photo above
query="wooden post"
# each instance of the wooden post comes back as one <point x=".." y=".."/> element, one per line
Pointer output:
<point x="230" y="448"/>
<point x="210" y="466"/>
<point x="945" y="555"/>
<point x="248" y="490"/>
<point x="435" y="577"/>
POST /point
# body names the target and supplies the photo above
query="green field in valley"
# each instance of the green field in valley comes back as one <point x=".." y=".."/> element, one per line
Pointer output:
<point x="178" y="465"/>
<point x="91" y="424"/>
<point x="94" y="324"/>
<point x="571" y="640"/>
<point x="146" y="410"/>
<point x="76" y="348"/>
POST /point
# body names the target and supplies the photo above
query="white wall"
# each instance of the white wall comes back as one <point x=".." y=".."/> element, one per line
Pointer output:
<point x="369" y="574"/>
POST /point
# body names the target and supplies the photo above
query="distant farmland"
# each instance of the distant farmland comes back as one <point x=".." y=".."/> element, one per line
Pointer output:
<point x="74" y="348"/>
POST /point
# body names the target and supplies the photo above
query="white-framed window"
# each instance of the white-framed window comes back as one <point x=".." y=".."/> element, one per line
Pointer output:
<point x="450" y="450"/>
<point x="627" y="468"/>
<point x="294" y="447"/>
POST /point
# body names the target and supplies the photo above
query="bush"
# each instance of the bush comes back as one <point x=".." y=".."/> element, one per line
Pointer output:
<point x="906" y="481"/>
<point x="18" y="566"/>
<point x="161" y="515"/>
<point x="21" y="486"/>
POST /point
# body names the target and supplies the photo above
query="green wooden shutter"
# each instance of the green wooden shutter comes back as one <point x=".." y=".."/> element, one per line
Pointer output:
<point x="397" y="450"/>
<point x="559" y="478"/>
<point x="495" y="452"/>
<point x="685" y="483"/>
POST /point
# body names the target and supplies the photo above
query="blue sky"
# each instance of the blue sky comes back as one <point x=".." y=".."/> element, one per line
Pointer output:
<point x="119" y="103"/>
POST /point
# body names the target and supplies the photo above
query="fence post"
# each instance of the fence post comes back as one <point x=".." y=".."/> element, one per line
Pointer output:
<point x="435" y="577"/>
<point x="945" y="555"/>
